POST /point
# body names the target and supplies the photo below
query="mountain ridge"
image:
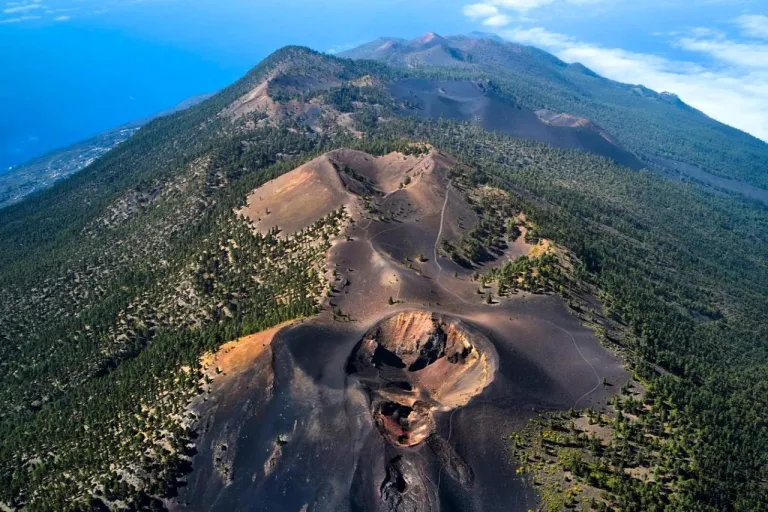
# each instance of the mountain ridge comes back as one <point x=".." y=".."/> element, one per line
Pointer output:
<point x="632" y="113"/>
<point x="517" y="264"/>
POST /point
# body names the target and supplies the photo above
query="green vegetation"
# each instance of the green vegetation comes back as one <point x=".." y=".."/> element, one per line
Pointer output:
<point x="623" y="459"/>
<point x="116" y="280"/>
<point x="488" y="238"/>
<point x="642" y="120"/>
<point x="536" y="274"/>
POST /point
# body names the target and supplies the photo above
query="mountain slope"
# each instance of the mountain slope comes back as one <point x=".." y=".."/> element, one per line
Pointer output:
<point x="472" y="101"/>
<point x="122" y="283"/>
<point x="646" y="122"/>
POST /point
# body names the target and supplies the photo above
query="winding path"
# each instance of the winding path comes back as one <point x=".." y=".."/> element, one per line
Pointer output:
<point x="437" y="279"/>
<point x="597" y="377"/>
<point x="437" y="242"/>
<point x="440" y="231"/>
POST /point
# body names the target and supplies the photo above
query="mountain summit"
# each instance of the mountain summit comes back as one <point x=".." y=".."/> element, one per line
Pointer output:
<point x="429" y="38"/>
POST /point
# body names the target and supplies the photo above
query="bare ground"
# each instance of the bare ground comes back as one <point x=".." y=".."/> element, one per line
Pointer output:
<point x="297" y="410"/>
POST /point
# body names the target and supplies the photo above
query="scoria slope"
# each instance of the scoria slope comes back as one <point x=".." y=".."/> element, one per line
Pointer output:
<point x="390" y="399"/>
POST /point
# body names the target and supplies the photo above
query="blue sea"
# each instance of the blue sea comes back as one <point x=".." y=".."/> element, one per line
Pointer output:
<point x="66" y="82"/>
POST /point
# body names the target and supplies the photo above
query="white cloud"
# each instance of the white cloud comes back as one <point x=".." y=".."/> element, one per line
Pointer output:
<point x="19" y="19"/>
<point x="499" y="13"/>
<point x="21" y="8"/>
<point x="521" y="5"/>
<point x="703" y="32"/>
<point x="497" y="20"/>
<point x="491" y="8"/>
<point x="476" y="11"/>
<point x="754" y="25"/>
<point x="731" y="89"/>
<point x="491" y="16"/>
<point x="62" y="18"/>
<point x="539" y="37"/>
<point x="488" y="14"/>
<point x="339" y="48"/>
<point x="748" y="55"/>
<point x="54" y="11"/>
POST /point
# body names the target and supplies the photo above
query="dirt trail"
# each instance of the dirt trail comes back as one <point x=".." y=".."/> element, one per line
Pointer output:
<point x="597" y="377"/>
<point x="437" y="242"/>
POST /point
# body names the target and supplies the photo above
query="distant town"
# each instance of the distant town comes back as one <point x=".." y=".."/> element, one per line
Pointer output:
<point x="42" y="172"/>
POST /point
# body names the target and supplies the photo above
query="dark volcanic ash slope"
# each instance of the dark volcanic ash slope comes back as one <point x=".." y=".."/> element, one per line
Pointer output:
<point x="398" y="395"/>
<point x="474" y="102"/>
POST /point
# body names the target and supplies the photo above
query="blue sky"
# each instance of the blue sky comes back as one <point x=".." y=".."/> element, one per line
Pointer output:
<point x="72" y="68"/>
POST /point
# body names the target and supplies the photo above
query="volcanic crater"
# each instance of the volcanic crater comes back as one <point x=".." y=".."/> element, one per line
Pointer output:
<point x="415" y="363"/>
